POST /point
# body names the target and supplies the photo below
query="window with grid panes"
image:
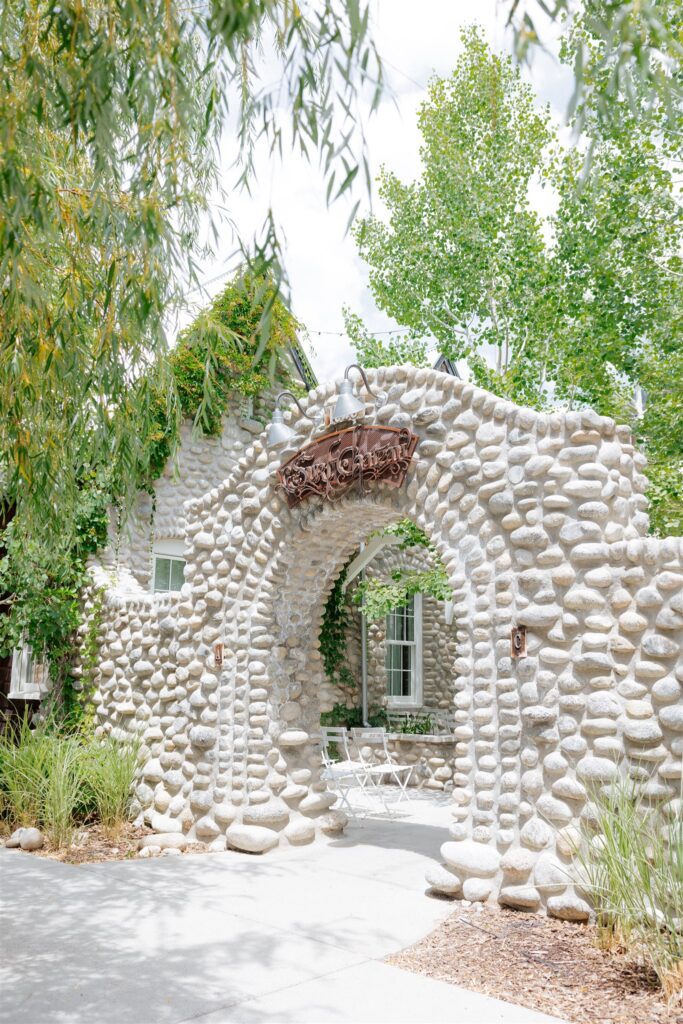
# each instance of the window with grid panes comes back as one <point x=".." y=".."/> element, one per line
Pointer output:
<point x="169" y="573"/>
<point x="403" y="653"/>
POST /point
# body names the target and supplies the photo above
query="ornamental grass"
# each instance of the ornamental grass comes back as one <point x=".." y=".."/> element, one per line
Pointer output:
<point x="631" y="865"/>
<point x="56" y="780"/>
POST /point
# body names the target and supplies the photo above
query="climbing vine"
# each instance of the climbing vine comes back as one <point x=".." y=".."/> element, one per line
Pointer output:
<point x="378" y="597"/>
<point x="332" y="640"/>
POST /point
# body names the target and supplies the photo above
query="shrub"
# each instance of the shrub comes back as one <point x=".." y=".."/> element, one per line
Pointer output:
<point x="352" y="718"/>
<point x="632" y="867"/>
<point x="56" y="780"/>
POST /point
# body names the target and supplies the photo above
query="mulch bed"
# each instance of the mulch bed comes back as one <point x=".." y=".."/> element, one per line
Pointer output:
<point x="92" y="844"/>
<point x="547" y="965"/>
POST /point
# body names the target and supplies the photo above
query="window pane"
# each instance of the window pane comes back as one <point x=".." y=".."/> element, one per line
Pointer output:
<point x="177" y="573"/>
<point x="406" y="671"/>
<point x="162" y="573"/>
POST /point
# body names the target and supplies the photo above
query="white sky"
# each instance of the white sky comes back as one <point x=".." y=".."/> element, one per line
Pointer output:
<point x="325" y="272"/>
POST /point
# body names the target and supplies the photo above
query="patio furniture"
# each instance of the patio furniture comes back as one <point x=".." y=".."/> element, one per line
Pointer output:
<point x="386" y="769"/>
<point x="341" y="773"/>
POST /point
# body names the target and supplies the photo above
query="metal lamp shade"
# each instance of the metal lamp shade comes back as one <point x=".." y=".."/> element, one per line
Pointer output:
<point x="278" y="431"/>
<point x="347" y="403"/>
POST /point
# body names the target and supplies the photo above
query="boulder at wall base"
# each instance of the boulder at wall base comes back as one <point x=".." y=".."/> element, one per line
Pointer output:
<point x="551" y="877"/>
<point x="520" y="897"/>
<point x="251" y="838"/>
<point x="273" y="814"/>
<point x="165" y="823"/>
<point x="14" y="841"/>
<point x="164" y="841"/>
<point x="314" y="803"/>
<point x="300" y="832"/>
<point x="568" y="907"/>
<point x="25" y="839"/>
<point x="470" y="859"/>
<point x="333" y="823"/>
<point x="477" y="890"/>
<point x="440" y="878"/>
<point x="206" y="828"/>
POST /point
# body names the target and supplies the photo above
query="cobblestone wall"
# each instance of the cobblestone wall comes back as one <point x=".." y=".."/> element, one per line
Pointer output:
<point x="200" y="463"/>
<point x="539" y="520"/>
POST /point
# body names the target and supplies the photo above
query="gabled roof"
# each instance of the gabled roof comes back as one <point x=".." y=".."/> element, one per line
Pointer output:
<point x="445" y="365"/>
<point x="303" y="366"/>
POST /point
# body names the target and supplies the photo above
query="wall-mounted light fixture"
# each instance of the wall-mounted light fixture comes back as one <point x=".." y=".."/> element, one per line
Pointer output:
<point x="278" y="431"/>
<point x="347" y="407"/>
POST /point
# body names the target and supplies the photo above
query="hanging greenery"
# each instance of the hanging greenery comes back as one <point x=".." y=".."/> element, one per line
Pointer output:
<point x="376" y="597"/>
<point x="238" y="348"/>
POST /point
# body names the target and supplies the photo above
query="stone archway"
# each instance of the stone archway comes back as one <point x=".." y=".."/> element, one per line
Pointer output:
<point x="538" y="520"/>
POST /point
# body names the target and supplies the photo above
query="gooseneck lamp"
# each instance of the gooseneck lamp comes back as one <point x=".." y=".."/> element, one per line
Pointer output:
<point x="347" y="404"/>
<point x="278" y="431"/>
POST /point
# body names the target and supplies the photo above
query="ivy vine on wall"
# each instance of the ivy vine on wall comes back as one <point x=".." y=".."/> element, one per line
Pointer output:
<point x="376" y="597"/>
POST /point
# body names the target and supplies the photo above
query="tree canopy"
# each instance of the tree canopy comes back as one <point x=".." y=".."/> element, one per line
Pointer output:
<point x="580" y="308"/>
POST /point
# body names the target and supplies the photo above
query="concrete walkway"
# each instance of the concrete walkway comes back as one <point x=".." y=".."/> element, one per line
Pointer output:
<point x="297" y="935"/>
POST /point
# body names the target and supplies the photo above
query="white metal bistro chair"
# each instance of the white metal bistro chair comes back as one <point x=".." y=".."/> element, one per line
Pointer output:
<point x="386" y="769"/>
<point x="342" y="773"/>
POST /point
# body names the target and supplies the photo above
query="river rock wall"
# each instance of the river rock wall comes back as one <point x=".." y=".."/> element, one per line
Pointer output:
<point x="540" y="521"/>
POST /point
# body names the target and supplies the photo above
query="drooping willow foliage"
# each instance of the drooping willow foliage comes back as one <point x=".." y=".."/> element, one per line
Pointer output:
<point x="110" y="117"/>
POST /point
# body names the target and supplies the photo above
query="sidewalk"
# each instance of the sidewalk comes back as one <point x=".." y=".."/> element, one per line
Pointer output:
<point x="297" y="935"/>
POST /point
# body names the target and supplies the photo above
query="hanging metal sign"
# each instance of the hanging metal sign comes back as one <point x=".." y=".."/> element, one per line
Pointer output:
<point x="360" y="454"/>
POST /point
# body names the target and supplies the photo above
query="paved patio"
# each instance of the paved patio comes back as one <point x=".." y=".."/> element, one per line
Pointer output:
<point x="295" y="936"/>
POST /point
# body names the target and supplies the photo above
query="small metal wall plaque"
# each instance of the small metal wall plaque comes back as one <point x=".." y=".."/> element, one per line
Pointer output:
<point x="218" y="654"/>
<point x="360" y="454"/>
<point x="518" y="641"/>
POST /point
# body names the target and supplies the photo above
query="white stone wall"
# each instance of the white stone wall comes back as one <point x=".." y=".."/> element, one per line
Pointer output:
<point x="539" y="520"/>
<point x="200" y="463"/>
<point x="431" y="757"/>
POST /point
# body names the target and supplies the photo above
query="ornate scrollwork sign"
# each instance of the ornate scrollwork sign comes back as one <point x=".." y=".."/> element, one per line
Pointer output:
<point x="329" y="466"/>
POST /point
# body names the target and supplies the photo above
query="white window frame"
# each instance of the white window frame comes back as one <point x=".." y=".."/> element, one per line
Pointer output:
<point x="171" y="549"/>
<point x="414" y="701"/>
<point x="23" y="683"/>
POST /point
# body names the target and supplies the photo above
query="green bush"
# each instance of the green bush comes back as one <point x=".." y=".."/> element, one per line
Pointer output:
<point x="416" y="725"/>
<point x="631" y="865"/>
<point x="352" y="718"/>
<point x="56" y="780"/>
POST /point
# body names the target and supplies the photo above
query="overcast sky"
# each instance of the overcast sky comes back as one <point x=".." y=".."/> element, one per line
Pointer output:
<point x="325" y="272"/>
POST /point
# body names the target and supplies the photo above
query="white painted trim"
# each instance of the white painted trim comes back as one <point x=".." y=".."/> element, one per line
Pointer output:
<point x="23" y="684"/>
<point x="169" y="547"/>
<point x="414" y="702"/>
<point x="366" y="554"/>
